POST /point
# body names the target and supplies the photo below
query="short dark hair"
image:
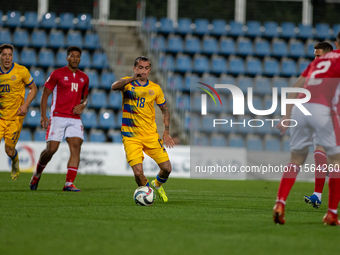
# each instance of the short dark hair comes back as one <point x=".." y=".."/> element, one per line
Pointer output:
<point x="6" y="46"/>
<point x="325" y="46"/>
<point x="73" y="48"/>
<point x="141" y="58"/>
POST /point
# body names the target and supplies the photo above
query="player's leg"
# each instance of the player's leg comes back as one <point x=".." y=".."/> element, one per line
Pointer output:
<point x="140" y="178"/>
<point x="320" y="158"/>
<point x="155" y="149"/>
<point x="12" y="135"/>
<point x="331" y="218"/>
<point x="74" y="144"/>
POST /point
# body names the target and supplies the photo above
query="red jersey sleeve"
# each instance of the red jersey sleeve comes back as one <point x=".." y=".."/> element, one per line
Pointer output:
<point x="51" y="81"/>
<point x="305" y="72"/>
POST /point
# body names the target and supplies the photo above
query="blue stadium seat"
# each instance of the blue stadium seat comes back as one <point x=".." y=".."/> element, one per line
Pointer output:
<point x="36" y="100"/>
<point x="201" y="64"/>
<point x="262" y="48"/>
<point x="254" y="28"/>
<point x="46" y="57"/>
<point x="93" y="77"/>
<point x="253" y="66"/>
<point x="167" y="62"/>
<point x="20" y="38"/>
<point x="38" y="75"/>
<point x="254" y="143"/>
<point x="219" y="26"/>
<point x="280" y="82"/>
<point x="48" y="20"/>
<point x="40" y="135"/>
<point x="336" y="30"/>
<point x="195" y="103"/>
<point x="302" y="65"/>
<point x="13" y="19"/>
<point x="1" y="16"/>
<point x="89" y="118"/>
<point x="166" y="26"/>
<point x="33" y="117"/>
<point x="310" y="48"/>
<point x="243" y="127"/>
<point x="272" y="143"/>
<point x="119" y="119"/>
<point x="209" y="45"/>
<point x="106" y="80"/>
<point x="149" y="24"/>
<point x="271" y="66"/>
<point x="244" y="83"/>
<point x="258" y="105"/>
<point x="183" y="63"/>
<point x="288" y="30"/>
<point x="115" y="100"/>
<point x="15" y="56"/>
<point x="91" y="41"/>
<point x="218" y="65"/>
<point x="285" y="144"/>
<point x="5" y="36"/>
<point x="56" y="39"/>
<point x="74" y="38"/>
<point x="182" y="102"/>
<point x="31" y="20"/>
<point x="288" y="67"/>
<point x="306" y="31"/>
<point x="227" y="80"/>
<point x="227" y="46"/>
<point x="218" y="141"/>
<point x="322" y="31"/>
<point x="175" y="82"/>
<point x="174" y="44"/>
<point x="61" y="58"/>
<point x="201" y="140"/>
<point x="191" y="79"/>
<point x="192" y="44"/>
<point x="98" y="99"/>
<point x="85" y="60"/>
<point x="270" y="29"/>
<point x="263" y="86"/>
<point x="201" y="27"/>
<point x="84" y="21"/>
<point x="236" y="65"/>
<point x="97" y="136"/>
<point x="107" y="119"/>
<point x="66" y="20"/>
<point x="244" y="46"/>
<point x="236" y="29"/>
<point x="39" y="38"/>
<point x="209" y="79"/>
<point x="236" y="141"/>
<point x="279" y="48"/>
<point x="158" y="43"/>
<point x="49" y="71"/>
<point x="184" y="26"/>
<point x="99" y="60"/>
<point x="115" y="136"/>
<point x="28" y="57"/>
<point x="25" y="135"/>
<point x="296" y="48"/>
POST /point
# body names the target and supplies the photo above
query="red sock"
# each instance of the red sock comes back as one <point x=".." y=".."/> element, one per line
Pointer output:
<point x="334" y="190"/>
<point x="71" y="174"/>
<point x="320" y="171"/>
<point x="287" y="181"/>
<point x="40" y="168"/>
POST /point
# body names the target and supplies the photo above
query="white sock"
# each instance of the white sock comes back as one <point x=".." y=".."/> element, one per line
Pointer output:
<point x="319" y="195"/>
<point x="37" y="175"/>
<point x="68" y="183"/>
<point x="333" y="211"/>
<point x="281" y="201"/>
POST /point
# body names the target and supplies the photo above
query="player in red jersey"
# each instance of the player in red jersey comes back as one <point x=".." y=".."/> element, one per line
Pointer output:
<point x="322" y="81"/>
<point x="70" y="89"/>
<point x="320" y="156"/>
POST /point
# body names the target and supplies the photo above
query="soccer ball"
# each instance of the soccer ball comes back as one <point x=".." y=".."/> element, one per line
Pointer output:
<point x="144" y="196"/>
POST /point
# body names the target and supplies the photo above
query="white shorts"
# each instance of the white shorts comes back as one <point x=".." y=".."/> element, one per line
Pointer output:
<point x="60" y="127"/>
<point x="322" y="127"/>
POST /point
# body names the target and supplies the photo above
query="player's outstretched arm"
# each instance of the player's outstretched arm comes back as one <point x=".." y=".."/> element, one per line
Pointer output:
<point x="78" y="109"/>
<point x="298" y="84"/>
<point x="31" y="95"/>
<point x="166" y="120"/>
<point x="119" y="85"/>
<point x="43" y="105"/>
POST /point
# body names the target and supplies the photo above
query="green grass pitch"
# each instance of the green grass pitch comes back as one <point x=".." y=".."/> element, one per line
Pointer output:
<point x="201" y="217"/>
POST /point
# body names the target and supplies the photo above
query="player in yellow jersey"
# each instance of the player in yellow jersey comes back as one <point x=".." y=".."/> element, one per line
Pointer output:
<point x="139" y="129"/>
<point x="13" y="107"/>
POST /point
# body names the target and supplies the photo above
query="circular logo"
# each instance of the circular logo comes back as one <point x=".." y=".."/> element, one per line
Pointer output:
<point x="151" y="92"/>
<point x="13" y="78"/>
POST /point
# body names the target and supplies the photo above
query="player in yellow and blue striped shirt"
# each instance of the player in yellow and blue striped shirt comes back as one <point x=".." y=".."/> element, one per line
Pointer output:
<point x="139" y="129"/>
<point x="13" y="107"/>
